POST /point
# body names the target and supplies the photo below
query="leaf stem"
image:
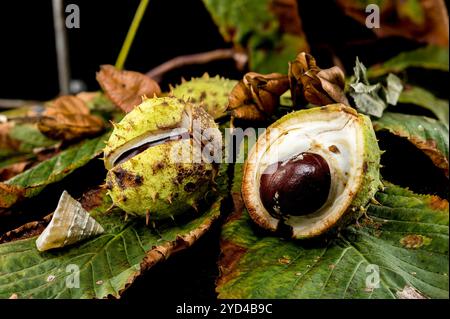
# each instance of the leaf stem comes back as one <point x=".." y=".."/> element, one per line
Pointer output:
<point x="131" y="34"/>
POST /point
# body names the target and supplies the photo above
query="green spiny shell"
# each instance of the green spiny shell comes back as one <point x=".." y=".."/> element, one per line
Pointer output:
<point x="209" y="92"/>
<point x="345" y="139"/>
<point x="160" y="181"/>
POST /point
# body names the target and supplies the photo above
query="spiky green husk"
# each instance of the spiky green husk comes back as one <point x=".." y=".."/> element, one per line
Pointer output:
<point x="209" y="92"/>
<point x="157" y="183"/>
<point x="371" y="180"/>
<point x="150" y="183"/>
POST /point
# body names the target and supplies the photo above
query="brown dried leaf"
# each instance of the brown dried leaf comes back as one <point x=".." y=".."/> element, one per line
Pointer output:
<point x="6" y="142"/>
<point x="423" y="20"/>
<point x="87" y="97"/>
<point x="126" y="88"/>
<point x="311" y="84"/>
<point x="333" y="82"/>
<point x="9" y="171"/>
<point x="27" y="230"/>
<point x="68" y="118"/>
<point x="257" y="96"/>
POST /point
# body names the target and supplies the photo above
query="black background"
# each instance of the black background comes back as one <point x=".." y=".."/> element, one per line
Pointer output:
<point x="171" y="28"/>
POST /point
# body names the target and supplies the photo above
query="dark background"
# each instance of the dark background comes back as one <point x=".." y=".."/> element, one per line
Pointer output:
<point x="171" y="28"/>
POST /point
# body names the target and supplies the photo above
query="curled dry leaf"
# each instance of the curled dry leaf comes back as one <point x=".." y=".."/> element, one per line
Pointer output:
<point x="12" y="170"/>
<point x="422" y="20"/>
<point x="6" y="142"/>
<point x="256" y="96"/>
<point x="311" y="84"/>
<point x="126" y="88"/>
<point x="68" y="118"/>
<point x="28" y="230"/>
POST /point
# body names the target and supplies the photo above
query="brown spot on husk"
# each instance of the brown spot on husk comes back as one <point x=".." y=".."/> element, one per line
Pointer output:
<point x="158" y="166"/>
<point x="126" y="179"/>
<point x="334" y="149"/>
<point x="189" y="187"/>
<point x="365" y="167"/>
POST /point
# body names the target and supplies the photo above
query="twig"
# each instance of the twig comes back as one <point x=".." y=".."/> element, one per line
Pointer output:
<point x="131" y="34"/>
<point x="198" y="58"/>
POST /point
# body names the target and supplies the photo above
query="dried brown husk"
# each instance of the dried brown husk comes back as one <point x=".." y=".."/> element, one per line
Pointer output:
<point x="310" y="84"/>
<point x="256" y="96"/>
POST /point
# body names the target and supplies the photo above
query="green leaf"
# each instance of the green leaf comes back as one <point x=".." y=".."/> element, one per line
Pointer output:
<point x="22" y="139"/>
<point x="274" y="59"/>
<point x="429" y="57"/>
<point x="427" y="134"/>
<point x="271" y="32"/>
<point x="33" y="181"/>
<point x="404" y="239"/>
<point x="421" y="97"/>
<point x="107" y="264"/>
<point x="30" y="137"/>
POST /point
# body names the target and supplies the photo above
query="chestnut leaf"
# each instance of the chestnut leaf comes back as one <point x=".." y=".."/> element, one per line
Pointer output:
<point x="427" y="134"/>
<point x="32" y="181"/>
<point x="107" y="264"/>
<point x="429" y="57"/>
<point x="404" y="240"/>
<point x="427" y="100"/>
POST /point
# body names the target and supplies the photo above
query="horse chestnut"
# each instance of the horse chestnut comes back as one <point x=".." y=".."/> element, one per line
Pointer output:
<point x="298" y="186"/>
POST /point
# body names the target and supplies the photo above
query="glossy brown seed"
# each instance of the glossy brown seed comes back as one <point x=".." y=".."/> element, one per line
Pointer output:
<point x="299" y="186"/>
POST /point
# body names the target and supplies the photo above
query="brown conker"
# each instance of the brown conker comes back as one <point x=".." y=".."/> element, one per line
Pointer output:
<point x="298" y="186"/>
